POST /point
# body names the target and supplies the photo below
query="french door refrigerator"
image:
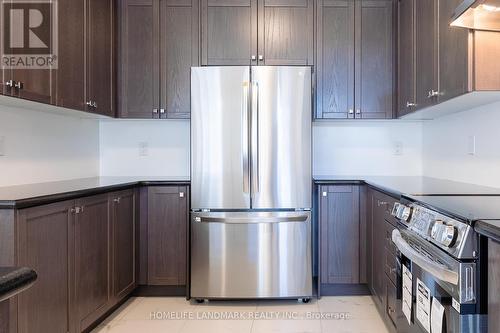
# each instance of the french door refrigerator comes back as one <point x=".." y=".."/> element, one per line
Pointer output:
<point x="251" y="182"/>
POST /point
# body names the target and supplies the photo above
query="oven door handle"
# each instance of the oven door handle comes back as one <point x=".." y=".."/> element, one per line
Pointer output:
<point x="439" y="271"/>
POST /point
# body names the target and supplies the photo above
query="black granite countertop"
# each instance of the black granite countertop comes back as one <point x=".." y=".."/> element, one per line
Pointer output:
<point x="13" y="280"/>
<point x="411" y="185"/>
<point x="23" y="196"/>
<point x="490" y="229"/>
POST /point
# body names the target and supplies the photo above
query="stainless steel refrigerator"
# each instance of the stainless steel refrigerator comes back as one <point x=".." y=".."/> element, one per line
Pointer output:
<point x="251" y="182"/>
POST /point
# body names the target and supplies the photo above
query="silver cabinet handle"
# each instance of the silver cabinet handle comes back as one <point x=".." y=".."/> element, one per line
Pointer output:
<point x="90" y="103"/>
<point x="261" y="57"/>
<point x="244" y="138"/>
<point x="351" y="111"/>
<point x="19" y="85"/>
<point x="94" y="104"/>
<point x="382" y="203"/>
<point x="162" y="111"/>
<point x="155" y="111"/>
<point x="255" y="138"/>
<point x="410" y="105"/>
<point x="76" y="210"/>
<point x="9" y="83"/>
<point x="325" y="193"/>
<point x="253" y="57"/>
<point x="358" y="111"/>
<point x="433" y="93"/>
<point x="117" y="200"/>
<point x="181" y="194"/>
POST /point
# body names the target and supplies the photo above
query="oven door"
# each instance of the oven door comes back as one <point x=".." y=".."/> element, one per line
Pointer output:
<point x="446" y="281"/>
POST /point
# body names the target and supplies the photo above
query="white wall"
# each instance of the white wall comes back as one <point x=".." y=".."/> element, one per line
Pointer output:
<point x="445" y="147"/>
<point x="40" y="146"/>
<point x="367" y="148"/>
<point x="167" y="153"/>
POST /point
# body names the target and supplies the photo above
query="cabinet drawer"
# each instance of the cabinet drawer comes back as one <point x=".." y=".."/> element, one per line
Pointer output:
<point x="390" y="266"/>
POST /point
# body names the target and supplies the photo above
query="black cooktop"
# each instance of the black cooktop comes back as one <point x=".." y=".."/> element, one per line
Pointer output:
<point x="467" y="208"/>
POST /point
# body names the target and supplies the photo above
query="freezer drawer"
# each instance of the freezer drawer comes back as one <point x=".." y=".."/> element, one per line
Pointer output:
<point x="251" y="255"/>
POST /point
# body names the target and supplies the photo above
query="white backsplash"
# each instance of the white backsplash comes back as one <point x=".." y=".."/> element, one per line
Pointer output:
<point x="446" y="146"/>
<point x="41" y="146"/>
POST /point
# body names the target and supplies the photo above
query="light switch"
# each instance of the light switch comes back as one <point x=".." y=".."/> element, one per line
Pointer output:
<point x="398" y="148"/>
<point x="2" y="145"/>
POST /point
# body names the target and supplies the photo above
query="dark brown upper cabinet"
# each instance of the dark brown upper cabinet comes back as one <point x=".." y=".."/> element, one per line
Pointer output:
<point x="406" y="52"/>
<point x="339" y="223"/>
<point x="71" y="56"/>
<point x="442" y="61"/>
<point x="167" y="235"/>
<point x="100" y="93"/>
<point x="158" y="45"/>
<point x="355" y="59"/>
<point x="257" y="32"/>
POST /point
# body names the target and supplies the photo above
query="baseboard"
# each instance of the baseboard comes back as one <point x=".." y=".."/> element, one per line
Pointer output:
<point x="159" y="291"/>
<point x="344" y="290"/>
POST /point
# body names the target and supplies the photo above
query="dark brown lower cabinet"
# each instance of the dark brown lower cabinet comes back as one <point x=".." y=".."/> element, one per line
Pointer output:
<point x="124" y="244"/>
<point x="493" y="280"/>
<point x="167" y="235"/>
<point x="92" y="259"/>
<point x="45" y="240"/>
<point x="84" y="254"/>
<point x="339" y="223"/>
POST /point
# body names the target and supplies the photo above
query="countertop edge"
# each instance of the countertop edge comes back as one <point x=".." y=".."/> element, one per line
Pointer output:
<point x="57" y="197"/>
<point x="15" y="280"/>
<point x="488" y="230"/>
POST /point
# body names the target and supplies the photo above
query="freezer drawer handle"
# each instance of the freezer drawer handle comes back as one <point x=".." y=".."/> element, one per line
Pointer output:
<point x="439" y="271"/>
<point x="247" y="220"/>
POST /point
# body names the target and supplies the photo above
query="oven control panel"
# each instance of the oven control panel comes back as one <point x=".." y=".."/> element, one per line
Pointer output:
<point x="451" y="235"/>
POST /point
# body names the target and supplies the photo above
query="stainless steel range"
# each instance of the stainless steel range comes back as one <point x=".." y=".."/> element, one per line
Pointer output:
<point x="251" y="182"/>
<point x="439" y="270"/>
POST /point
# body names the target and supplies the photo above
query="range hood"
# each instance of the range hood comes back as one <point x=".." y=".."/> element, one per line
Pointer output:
<point x="478" y="15"/>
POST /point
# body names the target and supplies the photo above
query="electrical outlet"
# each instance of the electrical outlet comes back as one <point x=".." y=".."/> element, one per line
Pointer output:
<point x="471" y="145"/>
<point x="143" y="149"/>
<point x="398" y="148"/>
<point x="2" y="145"/>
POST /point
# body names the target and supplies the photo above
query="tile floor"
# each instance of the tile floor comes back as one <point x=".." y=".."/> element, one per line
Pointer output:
<point x="356" y="314"/>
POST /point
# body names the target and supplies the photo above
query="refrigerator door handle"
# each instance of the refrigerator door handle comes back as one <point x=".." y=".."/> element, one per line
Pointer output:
<point x="247" y="220"/>
<point x="255" y="138"/>
<point x="244" y="137"/>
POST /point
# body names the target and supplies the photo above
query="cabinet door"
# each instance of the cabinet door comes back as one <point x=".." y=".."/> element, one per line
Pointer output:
<point x="123" y="224"/>
<point x="426" y="52"/>
<point x="335" y="59"/>
<point x="228" y="32"/>
<point x="453" y="53"/>
<point x="286" y="32"/>
<point x="36" y="84"/>
<point x="45" y="239"/>
<point x="70" y="74"/>
<point x="406" y="52"/>
<point x="100" y="62"/>
<point x="375" y="89"/>
<point x="138" y="92"/>
<point x="178" y="52"/>
<point x="167" y="235"/>
<point x="339" y="232"/>
<point x="378" y="245"/>
<point x="92" y="260"/>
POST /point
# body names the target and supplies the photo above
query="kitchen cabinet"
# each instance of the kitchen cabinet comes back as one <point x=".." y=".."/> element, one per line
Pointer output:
<point x="426" y="45"/>
<point x="92" y="259"/>
<point x="406" y="53"/>
<point x="339" y="224"/>
<point x="70" y="76"/>
<point x="123" y="242"/>
<point x="448" y="61"/>
<point x="158" y="45"/>
<point x="100" y="53"/>
<point x="262" y="32"/>
<point x="167" y="235"/>
<point x="493" y="280"/>
<point x="355" y="59"/>
<point x="45" y="243"/>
